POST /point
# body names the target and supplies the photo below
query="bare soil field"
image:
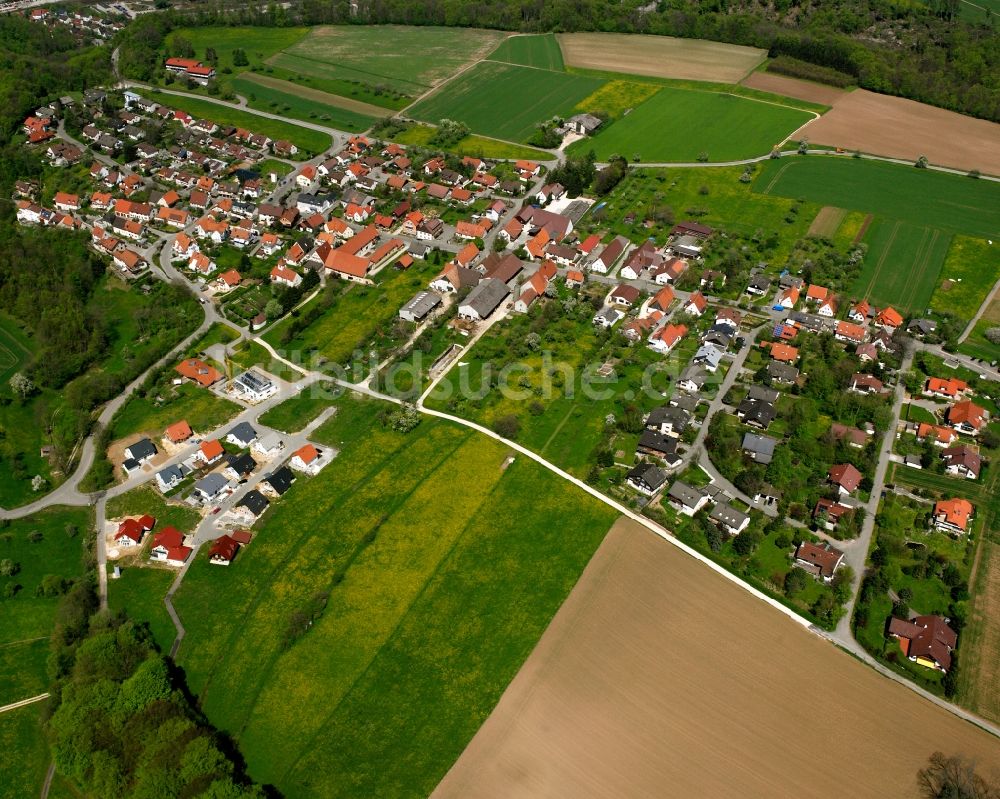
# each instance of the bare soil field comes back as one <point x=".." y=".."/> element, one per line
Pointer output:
<point x="660" y="56"/>
<point x="658" y="677"/>
<point x="981" y="669"/>
<point x="318" y="96"/>
<point x="827" y="221"/>
<point x="793" y="87"/>
<point x="898" y="128"/>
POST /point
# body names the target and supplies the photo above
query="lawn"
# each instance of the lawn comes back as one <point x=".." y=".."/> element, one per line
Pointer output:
<point x="504" y="100"/>
<point x="541" y="51"/>
<point x="902" y="264"/>
<point x="139" y="592"/>
<point x="479" y="146"/>
<point x="25" y="753"/>
<point x="287" y="99"/>
<point x="430" y="610"/>
<point x="409" y="59"/>
<point x="295" y="413"/>
<point x="202" y="409"/>
<point x="660" y="129"/>
<point x="357" y="314"/>
<point x="310" y="141"/>
<point x="967" y="277"/>
<point x="922" y="197"/>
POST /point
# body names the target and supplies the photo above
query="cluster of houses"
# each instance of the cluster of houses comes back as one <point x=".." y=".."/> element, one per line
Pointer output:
<point x="85" y="25"/>
<point x="168" y="542"/>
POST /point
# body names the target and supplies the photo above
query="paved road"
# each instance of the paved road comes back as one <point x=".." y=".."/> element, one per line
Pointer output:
<point x="23" y="703"/>
<point x="856" y="551"/>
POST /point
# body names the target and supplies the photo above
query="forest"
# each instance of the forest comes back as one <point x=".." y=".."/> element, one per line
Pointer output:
<point x="923" y="52"/>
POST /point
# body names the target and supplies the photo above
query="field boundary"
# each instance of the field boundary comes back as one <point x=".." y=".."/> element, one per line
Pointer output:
<point x="317" y="95"/>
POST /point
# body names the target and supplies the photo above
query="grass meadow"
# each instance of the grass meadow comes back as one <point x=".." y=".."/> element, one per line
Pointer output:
<point x="296" y="412"/>
<point x="902" y="264"/>
<point x="967" y="277"/>
<point x="275" y="100"/>
<point x="357" y="314"/>
<point x="713" y="195"/>
<point x="617" y="97"/>
<point x="479" y="146"/>
<point x="25" y="752"/>
<point x="431" y="608"/>
<point x="258" y="43"/>
<point x="541" y="51"/>
<point x="681" y="124"/>
<point x="410" y="59"/>
<point x="139" y="592"/>
<point x="951" y="203"/>
<point x="505" y="101"/>
<point x="335" y="79"/>
<point x="202" y="409"/>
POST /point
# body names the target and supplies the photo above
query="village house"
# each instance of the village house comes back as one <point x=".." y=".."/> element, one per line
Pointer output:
<point x="488" y="295"/>
<point x="927" y="640"/>
<point x="308" y="459"/>
<point x="820" y="560"/>
<point x="729" y="519"/>
<point x="223" y="550"/>
<point x="962" y="461"/>
<point x="845" y="477"/>
<point x="646" y="478"/>
<point x="686" y="499"/>
<point x="170" y="477"/>
<point x="953" y="515"/>
<point x="168" y="547"/>
<point x="828" y="513"/>
<point x="131" y="531"/>
<point x="966" y="417"/>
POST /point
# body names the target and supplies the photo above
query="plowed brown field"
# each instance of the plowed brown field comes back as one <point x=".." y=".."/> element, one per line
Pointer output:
<point x="660" y="56"/>
<point x="793" y="87"/>
<point x="898" y="128"/>
<point x="659" y="678"/>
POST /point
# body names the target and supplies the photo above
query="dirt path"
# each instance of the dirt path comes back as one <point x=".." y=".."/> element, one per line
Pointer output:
<point x="318" y="96"/>
<point x="655" y="673"/>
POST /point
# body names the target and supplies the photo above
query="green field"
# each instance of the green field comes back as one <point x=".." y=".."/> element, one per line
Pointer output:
<point x="970" y="271"/>
<point x="275" y="101"/>
<point x="15" y="350"/>
<point x="479" y="146"/>
<point x="55" y="553"/>
<point x="139" y="592"/>
<point x="902" y="264"/>
<point x="714" y="195"/>
<point x="25" y="753"/>
<point x="310" y="141"/>
<point x="202" y="409"/>
<point x="258" y="43"/>
<point x="358" y="313"/>
<point x="293" y="414"/>
<point x="663" y="128"/>
<point x="541" y="51"/>
<point x="923" y="197"/>
<point x="431" y="607"/>
<point x="408" y="59"/>
<point x="504" y="100"/>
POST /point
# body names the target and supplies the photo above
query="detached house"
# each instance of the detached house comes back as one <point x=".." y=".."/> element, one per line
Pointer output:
<point x="953" y="515"/>
<point x="845" y="477"/>
<point x="821" y="561"/>
<point x="927" y="640"/>
<point x="966" y="417"/>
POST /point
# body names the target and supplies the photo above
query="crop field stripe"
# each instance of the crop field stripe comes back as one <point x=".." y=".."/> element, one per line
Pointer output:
<point x="883" y="256"/>
<point x="428" y="582"/>
<point x="287" y="56"/>
<point x="316" y="95"/>
<point x="279" y="566"/>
